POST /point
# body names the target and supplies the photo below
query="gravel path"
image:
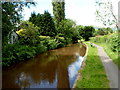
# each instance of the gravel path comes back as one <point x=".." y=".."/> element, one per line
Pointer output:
<point x="110" y="68"/>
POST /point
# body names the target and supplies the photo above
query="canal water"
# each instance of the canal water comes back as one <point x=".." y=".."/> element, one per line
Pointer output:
<point x="53" y="69"/>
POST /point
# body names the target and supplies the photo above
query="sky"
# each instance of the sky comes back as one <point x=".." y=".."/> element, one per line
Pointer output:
<point x="81" y="11"/>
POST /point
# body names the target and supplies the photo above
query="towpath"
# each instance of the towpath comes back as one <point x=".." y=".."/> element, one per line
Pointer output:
<point x="110" y="68"/>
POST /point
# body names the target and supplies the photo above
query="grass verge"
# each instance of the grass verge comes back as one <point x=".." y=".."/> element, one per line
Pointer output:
<point x="110" y="53"/>
<point x="93" y="75"/>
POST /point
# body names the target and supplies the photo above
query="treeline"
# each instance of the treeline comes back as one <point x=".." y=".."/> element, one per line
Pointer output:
<point x="103" y="31"/>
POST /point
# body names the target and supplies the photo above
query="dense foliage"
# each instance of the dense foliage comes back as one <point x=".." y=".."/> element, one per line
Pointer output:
<point x="28" y="33"/>
<point x="11" y="16"/>
<point x="86" y="31"/>
<point x="13" y="53"/>
<point x="58" y="11"/>
<point x="112" y="41"/>
<point x="103" y="31"/>
<point x="44" y="22"/>
<point x="67" y="29"/>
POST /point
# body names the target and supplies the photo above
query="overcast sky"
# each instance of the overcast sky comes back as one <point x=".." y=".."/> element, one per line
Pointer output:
<point x="81" y="11"/>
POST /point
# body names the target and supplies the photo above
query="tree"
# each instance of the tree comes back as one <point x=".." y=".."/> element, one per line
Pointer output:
<point x="33" y="18"/>
<point x="48" y="28"/>
<point x="11" y="16"/>
<point x="104" y="31"/>
<point x="105" y="13"/>
<point x="67" y="29"/>
<point x="45" y="23"/>
<point x="58" y="10"/>
<point x="86" y="32"/>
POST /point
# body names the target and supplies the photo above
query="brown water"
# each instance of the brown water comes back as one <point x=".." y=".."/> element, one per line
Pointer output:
<point x="54" y="69"/>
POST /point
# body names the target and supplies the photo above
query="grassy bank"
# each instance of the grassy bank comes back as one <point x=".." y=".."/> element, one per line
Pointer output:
<point x="110" y="53"/>
<point x="93" y="75"/>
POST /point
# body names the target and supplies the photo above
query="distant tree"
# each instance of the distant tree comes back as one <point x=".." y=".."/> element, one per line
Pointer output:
<point x="86" y="31"/>
<point x="105" y="13"/>
<point x="11" y="16"/>
<point x="104" y="31"/>
<point x="109" y="30"/>
<point x="58" y="10"/>
<point x="101" y="31"/>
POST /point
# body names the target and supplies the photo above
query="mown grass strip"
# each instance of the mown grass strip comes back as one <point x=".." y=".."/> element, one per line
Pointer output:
<point x="110" y="53"/>
<point x="93" y="74"/>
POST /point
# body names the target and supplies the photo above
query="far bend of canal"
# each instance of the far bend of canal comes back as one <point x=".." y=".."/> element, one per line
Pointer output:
<point x="53" y="69"/>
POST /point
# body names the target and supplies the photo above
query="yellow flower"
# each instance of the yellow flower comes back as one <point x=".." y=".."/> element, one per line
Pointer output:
<point x="21" y="32"/>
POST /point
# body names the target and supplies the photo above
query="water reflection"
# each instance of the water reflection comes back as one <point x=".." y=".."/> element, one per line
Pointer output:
<point x="73" y="69"/>
<point x="53" y="69"/>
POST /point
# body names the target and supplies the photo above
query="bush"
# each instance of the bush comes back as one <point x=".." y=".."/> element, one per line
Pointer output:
<point x="7" y="54"/>
<point x="68" y="41"/>
<point x="40" y="48"/>
<point x="13" y="53"/>
<point x="52" y="43"/>
<point x="60" y="45"/>
<point x="60" y="39"/>
<point x="114" y="43"/>
<point x="112" y="40"/>
<point x="28" y="33"/>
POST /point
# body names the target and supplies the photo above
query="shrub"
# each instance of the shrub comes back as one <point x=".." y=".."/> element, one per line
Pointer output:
<point x="52" y="43"/>
<point x="13" y="53"/>
<point x="112" y="40"/>
<point x="60" y="45"/>
<point x="28" y="33"/>
<point x="114" y="43"/>
<point x="68" y="41"/>
<point x="7" y="54"/>
<point x="40" y="48"/>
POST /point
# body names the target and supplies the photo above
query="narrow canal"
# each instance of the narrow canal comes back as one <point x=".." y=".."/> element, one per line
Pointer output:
<point x="53" y="69"/>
